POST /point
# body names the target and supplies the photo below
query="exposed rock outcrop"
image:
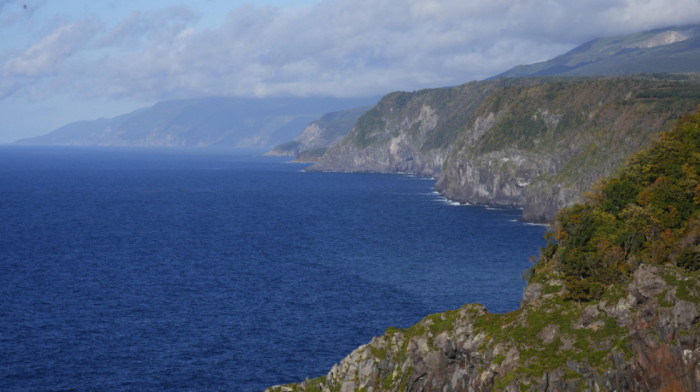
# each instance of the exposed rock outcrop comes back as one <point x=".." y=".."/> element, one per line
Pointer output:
<point x="406" y="132"/>
<point x="613" y="302"/>
<point x="645" y="338"/>
<point x="535" y="143"/>
<point x="319" y="135"/>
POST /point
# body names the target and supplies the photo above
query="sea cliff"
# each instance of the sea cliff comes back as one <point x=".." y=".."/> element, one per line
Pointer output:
<point x="613" y="303"/>
<point x="538" y="143"/>
<point x="643" y="337"/>
<point x="319" y="135"/>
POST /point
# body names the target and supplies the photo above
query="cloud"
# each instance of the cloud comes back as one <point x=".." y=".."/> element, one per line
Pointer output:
<point x="51" y="50"/>
<point x="140" y="27"/>
<point x="341" y="47"/>
<point x="28" y="69"/>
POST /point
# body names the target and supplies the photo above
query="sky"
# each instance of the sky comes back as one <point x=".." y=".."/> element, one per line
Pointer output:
<point x="68" y="60"/>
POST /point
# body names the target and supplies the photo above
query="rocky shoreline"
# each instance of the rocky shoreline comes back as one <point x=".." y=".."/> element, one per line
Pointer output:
<point x="535" y="143"/>
<point x="642" y="338"/>
<point x="613" y="303"/>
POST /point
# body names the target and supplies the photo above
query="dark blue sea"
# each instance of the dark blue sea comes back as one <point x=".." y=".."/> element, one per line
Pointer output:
<point x="207" y="270"/>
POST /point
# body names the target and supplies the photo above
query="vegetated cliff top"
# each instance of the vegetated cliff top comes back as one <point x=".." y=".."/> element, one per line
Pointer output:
<point x="648" y="213"/>
<point x="613" y="303"/>
<point x="538" y="143"/>
<point x="672" y="49"/>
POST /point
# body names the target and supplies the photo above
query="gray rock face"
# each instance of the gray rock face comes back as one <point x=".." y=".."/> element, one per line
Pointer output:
<point x="535" y="143"/>
<point x="322" y="133"/>
<point x="398" y="157"/>
<point x="644" y="341"/>
<point x="406" y="132"/>
<point x="499" y="177"/>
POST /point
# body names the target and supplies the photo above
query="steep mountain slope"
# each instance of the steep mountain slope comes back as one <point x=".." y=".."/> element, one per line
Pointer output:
<point x="238" y="122"/>
<point x="320" y="134"/>
<point x="612" y="304"/>
<point x="667" y="50"/>
<point x="407" y="132"/>
<point x="537" y="142"/>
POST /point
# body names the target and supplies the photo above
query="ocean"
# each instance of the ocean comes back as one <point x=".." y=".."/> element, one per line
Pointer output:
<point x="204" y="269"/>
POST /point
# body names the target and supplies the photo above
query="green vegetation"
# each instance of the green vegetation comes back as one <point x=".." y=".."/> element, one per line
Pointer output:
<point x="312" y="385"/>
<point x="581" y="322"/>
<point x="456" y="107"/>
<point x="538" y="116"/>
<point x="648" y="213"/>
<point x="367" y="125"/>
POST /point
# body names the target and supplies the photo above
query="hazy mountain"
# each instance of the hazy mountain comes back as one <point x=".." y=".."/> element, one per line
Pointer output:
<point x="320" y="134"/>
<point x="667" y="50"/>
<point x="236" y="122"/>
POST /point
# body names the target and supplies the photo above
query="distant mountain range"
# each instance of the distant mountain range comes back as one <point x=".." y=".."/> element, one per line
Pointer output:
<point x="233" y="122"/>
<point x="667" y="50"/>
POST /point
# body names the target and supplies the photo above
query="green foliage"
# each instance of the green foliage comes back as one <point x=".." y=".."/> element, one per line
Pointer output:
<point x="686" y="289"/>
<point x="379" y="353"/>
<point x="367" y="125"/>
<point x="618" y="193"/>
<point x="517" y="127"/>
<point x="456" y="106"/>
<point x="498" y="359"/>
<point x="442" y="321"/>
<point x="689" y="259"/>
<point x="648" y="213"/>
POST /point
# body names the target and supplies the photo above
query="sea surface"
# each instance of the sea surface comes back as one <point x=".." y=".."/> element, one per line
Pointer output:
<point x="207" y="270"/>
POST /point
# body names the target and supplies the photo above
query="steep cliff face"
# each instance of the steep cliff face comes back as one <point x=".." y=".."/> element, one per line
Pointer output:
<point x="406" y="132"/>
<point x="320" y="134"/>
<point x="536" y="143"/>
<point x="643" y="338"/>
<point x="542" y="146"/>
<point x="612" y="304"/>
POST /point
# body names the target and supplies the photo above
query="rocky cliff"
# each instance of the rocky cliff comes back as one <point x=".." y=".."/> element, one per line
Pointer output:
<point x="320" y="134"/>
<point x="535" y="143"/>
<point x="612" y="304"/>
<point x="643" y="338"/>
<point x="407" y="132"/>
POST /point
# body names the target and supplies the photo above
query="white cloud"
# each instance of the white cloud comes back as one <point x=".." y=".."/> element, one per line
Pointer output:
<point x="50" y="51"/>
<point x="341" y="47"/>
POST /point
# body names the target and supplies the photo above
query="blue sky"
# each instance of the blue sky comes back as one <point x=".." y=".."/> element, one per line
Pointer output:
<point x="63" y="61"/>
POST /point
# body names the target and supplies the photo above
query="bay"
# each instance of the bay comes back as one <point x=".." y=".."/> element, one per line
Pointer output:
<point x="148" y="269"/>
